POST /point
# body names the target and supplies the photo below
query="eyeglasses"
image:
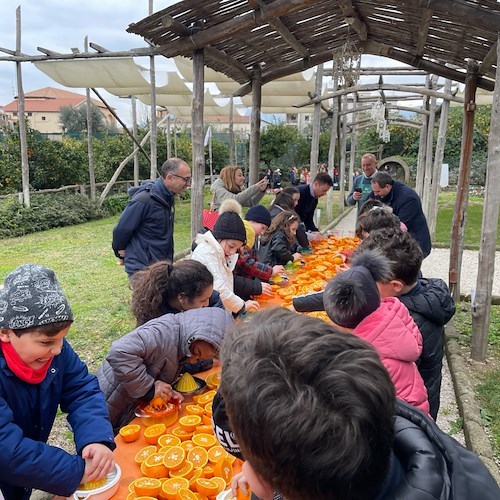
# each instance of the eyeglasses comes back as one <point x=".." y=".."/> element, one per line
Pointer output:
<point x="187" y="180"/>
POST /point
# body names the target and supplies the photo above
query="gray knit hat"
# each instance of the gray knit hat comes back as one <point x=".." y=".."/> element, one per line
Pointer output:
<point x="32" y="297"/>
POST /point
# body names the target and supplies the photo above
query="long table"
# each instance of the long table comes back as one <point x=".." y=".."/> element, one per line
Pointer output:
<point x="319" y="267"/>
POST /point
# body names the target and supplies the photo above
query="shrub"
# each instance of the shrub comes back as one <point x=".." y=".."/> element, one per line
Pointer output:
<point x="46" y="211"/>
<point x="115" y="203"/>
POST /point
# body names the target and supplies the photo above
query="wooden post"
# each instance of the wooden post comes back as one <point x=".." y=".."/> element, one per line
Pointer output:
<point x="459" y="221"/>
<point x="352" y="154"/>
<point x="134" y="133"/>
<point x="343" y="140"/>
<point x="168" y="137"/>
<point x="426" y="191"/>
<point x="232" y="144"/>
<point x="253" y="175"/>
<point x="438" y="161"/>
<point x="198" y="166"/>
<point x="316" y="123"/>
<point x="481" y="302"/>
<point x="25" y="168"/>
<point x="154" y="128"/>
<point x="90" y="134"/>
<point x="333" y="140"/>
<point x="422" y="146"/>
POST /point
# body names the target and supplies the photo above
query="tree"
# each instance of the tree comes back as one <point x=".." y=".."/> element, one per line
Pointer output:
<point x="74" y="120"/>
<point x="275" y="141"/>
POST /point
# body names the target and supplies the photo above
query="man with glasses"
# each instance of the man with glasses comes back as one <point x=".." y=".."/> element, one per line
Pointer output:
<point x="145" y="230"/>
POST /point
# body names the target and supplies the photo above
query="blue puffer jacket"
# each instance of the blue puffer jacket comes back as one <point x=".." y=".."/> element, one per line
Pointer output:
<point x="27" y="412"/>
<point x="145" y="229"/>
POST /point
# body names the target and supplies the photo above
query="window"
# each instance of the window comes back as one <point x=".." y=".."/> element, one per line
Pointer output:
<point x="43" y="118"/>
<point x="30" y="114"/>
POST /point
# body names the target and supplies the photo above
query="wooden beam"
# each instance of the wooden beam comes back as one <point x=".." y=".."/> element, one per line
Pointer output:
<point x="489" y="59"/>
<point x="423" y="31"/>
<point x="8" y="51"/>
<point x="352" y="19"/>
<point x="473" y="14"/>
<point x="222" y="58"/>
<point x="175" y="26"/>
<point x="48" y="52"/>
<point x="98" y="48"/>
<point x="279" y="25"/>
<point x="379" y="86"/>
<point x="254" y="146"/>
<point x="232" y="26"/>
<point x="360" y="109"/>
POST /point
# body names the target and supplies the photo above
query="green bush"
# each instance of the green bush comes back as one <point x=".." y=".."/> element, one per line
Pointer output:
<point x="46" y="211"/>
<point x="115" y="203"/>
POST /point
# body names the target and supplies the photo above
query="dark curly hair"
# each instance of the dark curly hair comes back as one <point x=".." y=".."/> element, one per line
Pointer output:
<point x="163" y="281"/>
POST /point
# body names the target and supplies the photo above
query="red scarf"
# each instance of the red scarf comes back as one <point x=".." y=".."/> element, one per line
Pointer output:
<point x="20" y="369"/>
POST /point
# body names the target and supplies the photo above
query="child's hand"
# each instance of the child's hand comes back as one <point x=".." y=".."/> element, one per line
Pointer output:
<point x="239" y="481"/>
<point x="266" y="289"/>
<point x="165" y="391"/>
<point x="251" y="305"/>
<point x="99" y="462"/>
<point x="296" y="256"/>
<point x="277" y="270"/>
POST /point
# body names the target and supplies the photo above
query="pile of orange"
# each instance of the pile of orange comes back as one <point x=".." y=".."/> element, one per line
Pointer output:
<point x="186" y="462"/>
<point x="320" y="266"/>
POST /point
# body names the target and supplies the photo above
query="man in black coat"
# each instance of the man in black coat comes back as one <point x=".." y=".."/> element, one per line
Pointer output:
<point x="405" y="204"/>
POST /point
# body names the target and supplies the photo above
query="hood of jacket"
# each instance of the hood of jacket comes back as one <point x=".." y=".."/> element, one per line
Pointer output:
<point x="392" y="331"/>
<point x="209" y="239"/>
<point x="434" y="303"/>
<point x="208" y="323"/>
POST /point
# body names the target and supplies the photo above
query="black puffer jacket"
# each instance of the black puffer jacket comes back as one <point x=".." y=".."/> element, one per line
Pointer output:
<point x="431" y="307"/>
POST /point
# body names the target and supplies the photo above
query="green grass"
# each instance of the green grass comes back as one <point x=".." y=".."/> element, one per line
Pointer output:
<point x="446" y="206"/>
<point x="486" y="377"/>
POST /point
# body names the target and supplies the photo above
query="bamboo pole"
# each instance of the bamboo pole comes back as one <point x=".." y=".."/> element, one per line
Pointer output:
<point x="422" y="147"/>
<point x="459" y="221"/>
<point x="153" y="142"/>
<point x="438" y="162"/>
<point x="232" y="156"/>
<point x="343" y="140"/>
<point x="25" y="168"/>
<point x="255" y="125"/>
<point x="429" y="152"/>
<point x="198" y="167"/>
<point x="352" y="155"/>
<point x="333" y="140"/>
<point x="90" y="130"/>
<point x="481" y="302"/>
<point x="316" y="124"/>
<point x="134" y="133"/>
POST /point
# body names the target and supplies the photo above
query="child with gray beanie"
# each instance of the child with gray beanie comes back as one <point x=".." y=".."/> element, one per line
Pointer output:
<point x="39" y="371"/>
<point x="352" y="301"/>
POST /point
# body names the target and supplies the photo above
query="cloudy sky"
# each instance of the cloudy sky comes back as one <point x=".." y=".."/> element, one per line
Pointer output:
<point x="59" y="26"/>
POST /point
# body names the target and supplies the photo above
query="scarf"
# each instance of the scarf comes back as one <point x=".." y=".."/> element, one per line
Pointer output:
<point x="20" y="369"/>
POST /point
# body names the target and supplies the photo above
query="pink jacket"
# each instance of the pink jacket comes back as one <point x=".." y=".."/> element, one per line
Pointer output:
<point x="397" y="339"/>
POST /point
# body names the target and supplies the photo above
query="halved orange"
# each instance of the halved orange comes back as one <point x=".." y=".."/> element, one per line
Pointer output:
<point x="194" y="410"/>
<point x="199" y="496"/>
<point x="206" y="487"/>
<point x="187" y="445"/>
<point x="174" y="458"/>
<point x="147" y="486"/>
<point x="215" y="453"/>
<point x="205" y="398"/>
<point x="144" y="453"/>
<point x="207" y="419"/>
<point x="241" y="495"/>
<point x="154" y="466"/>
<point x="186" y="470"/>
<point x="168" y="440"/>
<point x="190" y="422"/>
<point x="208" y="408"/>
<point x="153" y="432"/>
<point x="204" y="440"/>
<point x="221" y="483"/>
<point x="130" y="433"/>
<point x="181" y="433"/>
<point x="224" y="469"/>
<point x="208" y="471"/>
<point x="204" y="429"/>
<point x="198" y="456"/>
<point x="185" y="494"/>
<point x="197" y="473"/>
<point x="171" y="486"/>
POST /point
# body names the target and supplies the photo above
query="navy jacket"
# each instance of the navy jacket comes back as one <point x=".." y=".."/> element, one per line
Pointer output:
<point x="406" y="205"/>
<point x="306" y="207"/>
<point x="145" y="229"/>
<point x="431" y="306"/>
<point x="27" y="412"/>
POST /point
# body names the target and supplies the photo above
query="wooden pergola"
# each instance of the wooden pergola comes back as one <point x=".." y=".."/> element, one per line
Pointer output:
<point x="257" y="41"/>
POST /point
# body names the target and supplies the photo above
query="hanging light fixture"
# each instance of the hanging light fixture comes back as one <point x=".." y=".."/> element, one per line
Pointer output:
<point x="347" y="58"/>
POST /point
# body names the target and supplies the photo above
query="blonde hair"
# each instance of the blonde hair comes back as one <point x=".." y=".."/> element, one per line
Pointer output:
<point x="228" y="175"/>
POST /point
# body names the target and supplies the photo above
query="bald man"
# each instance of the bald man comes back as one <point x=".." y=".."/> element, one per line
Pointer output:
<point x="362" y="186"/>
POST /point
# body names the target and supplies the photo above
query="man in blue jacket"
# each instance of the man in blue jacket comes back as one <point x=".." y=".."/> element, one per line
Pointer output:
<point x="406" y="204"/>
<point x="362" y="186"/>
<point x="145" y="230"/>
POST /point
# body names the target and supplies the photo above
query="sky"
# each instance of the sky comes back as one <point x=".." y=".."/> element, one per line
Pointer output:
<point x="59" y="26"/>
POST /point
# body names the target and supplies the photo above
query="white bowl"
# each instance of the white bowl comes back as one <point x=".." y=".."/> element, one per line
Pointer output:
<point x="105" y="492"/>
<point x="225" y="495"/>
